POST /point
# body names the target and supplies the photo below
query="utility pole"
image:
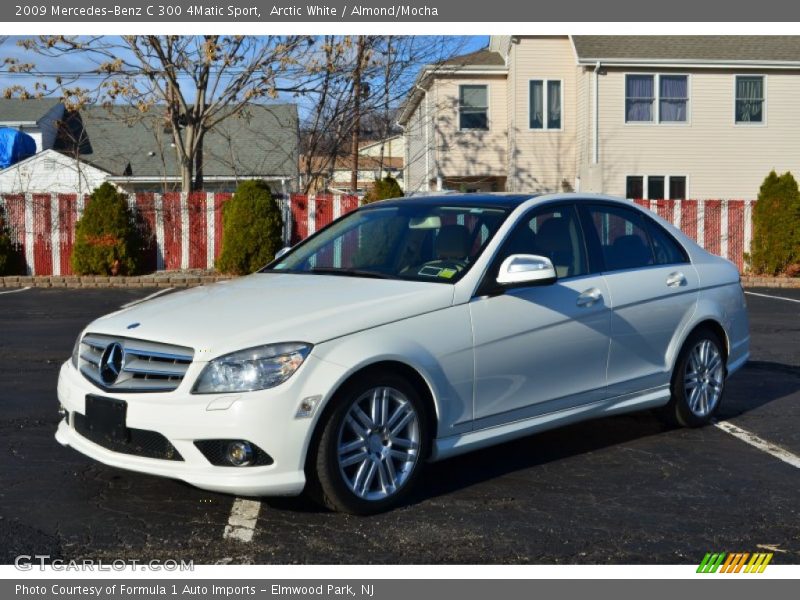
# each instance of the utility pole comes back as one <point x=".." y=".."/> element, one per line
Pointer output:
<point x="357" y="72"/>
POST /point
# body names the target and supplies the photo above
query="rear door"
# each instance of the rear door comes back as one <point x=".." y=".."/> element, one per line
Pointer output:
<point x="653" y="290"/>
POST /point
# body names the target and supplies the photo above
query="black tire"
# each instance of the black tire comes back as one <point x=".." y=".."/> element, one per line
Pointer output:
<point x="678" y="410"/>
<point x="327" y="483"/>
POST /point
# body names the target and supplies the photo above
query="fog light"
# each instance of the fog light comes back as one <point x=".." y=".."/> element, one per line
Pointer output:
<point x="62" y="412"/>
<point x="240" y="454"/>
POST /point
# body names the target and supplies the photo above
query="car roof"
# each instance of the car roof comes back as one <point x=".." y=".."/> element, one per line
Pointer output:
<point x="500" y="200"/>
<point x="503" y="200"/>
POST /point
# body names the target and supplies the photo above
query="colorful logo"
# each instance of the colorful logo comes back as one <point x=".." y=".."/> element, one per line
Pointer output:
<point x="734" y="562"/>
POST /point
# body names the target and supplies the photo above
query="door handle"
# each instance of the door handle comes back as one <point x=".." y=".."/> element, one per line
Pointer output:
<point x="589" y="297"/>
<point x="676" y="279"/>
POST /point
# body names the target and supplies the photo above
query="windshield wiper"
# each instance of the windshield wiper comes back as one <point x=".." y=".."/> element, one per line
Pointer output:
<point x="350" y="272"/>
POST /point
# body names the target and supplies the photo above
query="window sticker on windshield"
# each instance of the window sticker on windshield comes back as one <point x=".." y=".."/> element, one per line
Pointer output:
<point x="447" y="273"/>
<point x="430" y="271"/>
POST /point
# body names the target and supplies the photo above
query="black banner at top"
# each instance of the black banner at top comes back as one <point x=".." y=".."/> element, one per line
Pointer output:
<point x="402" y="11"/>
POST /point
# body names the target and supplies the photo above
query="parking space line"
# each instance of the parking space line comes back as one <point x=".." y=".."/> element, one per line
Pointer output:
<point x="242" y="522"/>
<point x="15" y="291"/>
<point x="773" y="297"/>
<point x="757" y="442"/>
<point x="146" y="298"/>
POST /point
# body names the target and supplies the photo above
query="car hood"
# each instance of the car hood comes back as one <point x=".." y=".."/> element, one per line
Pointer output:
<point x="270" y="307"/>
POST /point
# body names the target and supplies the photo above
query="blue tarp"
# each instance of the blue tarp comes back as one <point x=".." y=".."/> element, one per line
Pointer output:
<point x="15" y="146"/>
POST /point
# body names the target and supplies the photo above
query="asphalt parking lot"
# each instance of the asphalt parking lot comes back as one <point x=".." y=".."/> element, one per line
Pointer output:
<point x="626" y="489"/>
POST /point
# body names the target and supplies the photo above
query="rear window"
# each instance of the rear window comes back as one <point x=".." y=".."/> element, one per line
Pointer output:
<point x="666" y="249"/>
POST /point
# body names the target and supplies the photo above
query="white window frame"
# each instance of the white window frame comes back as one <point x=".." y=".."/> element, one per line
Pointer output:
<point x="657" y="101"/>
<point x="667" y="178"/>
<point x="545" y="98"/>
<point x="764" y="106"/>
<point x="488" y="121"/>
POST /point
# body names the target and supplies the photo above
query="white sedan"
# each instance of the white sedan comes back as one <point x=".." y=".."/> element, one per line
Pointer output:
<point x="408" y="331"/>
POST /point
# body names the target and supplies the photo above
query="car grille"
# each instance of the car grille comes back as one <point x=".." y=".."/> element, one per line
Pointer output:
<point x="139" y="442"/>
<point x="144" y="366"/>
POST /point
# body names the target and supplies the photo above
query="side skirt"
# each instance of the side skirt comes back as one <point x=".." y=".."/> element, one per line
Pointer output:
<point x="490" y="436"/>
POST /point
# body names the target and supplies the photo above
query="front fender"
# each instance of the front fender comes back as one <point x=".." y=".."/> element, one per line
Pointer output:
<point x="437" y="345"/>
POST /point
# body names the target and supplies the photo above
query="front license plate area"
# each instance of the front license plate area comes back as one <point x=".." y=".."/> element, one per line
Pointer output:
<point x="106" y="417"/>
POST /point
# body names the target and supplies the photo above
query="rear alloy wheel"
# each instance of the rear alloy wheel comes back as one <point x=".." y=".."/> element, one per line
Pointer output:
<point x="372" y="445"/>
<point x="699" y="379"/>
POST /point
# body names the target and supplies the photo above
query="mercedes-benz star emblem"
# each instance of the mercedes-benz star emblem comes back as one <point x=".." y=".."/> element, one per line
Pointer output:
<point x="111" y="363"/>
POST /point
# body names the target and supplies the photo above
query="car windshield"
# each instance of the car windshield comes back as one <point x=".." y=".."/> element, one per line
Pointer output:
<point x="421" y="242"/>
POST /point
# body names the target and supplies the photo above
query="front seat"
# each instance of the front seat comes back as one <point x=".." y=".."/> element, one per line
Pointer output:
<point x="452" y="243"/>
<point x="554" y="241"/>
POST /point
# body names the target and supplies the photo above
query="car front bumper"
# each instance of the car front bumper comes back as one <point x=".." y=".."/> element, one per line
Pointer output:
<point x="266" y="418"/>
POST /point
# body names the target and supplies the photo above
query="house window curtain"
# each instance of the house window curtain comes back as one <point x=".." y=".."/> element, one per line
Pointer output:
<point x="473" y="107"/>
<point x="554" y="105"/>
<point x="639" y="96"/>
<point x="749" y="99"/>
<point x="537" y="104"/>
<point x="674" y="97"/>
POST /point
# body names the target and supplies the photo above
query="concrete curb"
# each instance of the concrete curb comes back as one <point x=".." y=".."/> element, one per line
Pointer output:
<point x="770" y="282"/>
<point x="163" y="280"/>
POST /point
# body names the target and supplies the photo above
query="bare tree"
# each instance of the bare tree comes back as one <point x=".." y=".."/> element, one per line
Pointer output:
<point x="385" y="68"/>
<point x="194" y="83"/>
<point x="326" y="123"/>
<point x="197" y="81"/>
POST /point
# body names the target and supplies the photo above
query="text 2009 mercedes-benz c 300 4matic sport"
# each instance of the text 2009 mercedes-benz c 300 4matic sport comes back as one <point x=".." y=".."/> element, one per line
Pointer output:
<point x="408" y="331"/>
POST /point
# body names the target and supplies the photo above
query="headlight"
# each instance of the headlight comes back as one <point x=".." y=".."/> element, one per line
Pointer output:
<point x="76" y="351"/>
<point x="252" y="369"/>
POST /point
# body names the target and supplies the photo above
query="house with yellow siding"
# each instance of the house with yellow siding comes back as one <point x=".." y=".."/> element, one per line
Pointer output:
<point x="638" y="116"/>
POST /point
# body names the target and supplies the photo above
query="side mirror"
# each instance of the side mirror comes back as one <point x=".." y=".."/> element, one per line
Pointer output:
<point x="282" y="251"/>
<point x="526" y="269"/>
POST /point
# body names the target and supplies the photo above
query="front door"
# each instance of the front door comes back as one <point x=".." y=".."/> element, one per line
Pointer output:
<point x="544" y="348"/>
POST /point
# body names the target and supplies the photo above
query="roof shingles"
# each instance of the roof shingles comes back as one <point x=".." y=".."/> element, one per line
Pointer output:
<point x="16" y="110"/>
<point x="480" y="58"/>
<point x="722" y="48"/>
<point x="261" y="141"/>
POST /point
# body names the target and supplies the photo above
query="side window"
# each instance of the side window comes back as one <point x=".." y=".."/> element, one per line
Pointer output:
<point x="623" y="237"/>
<point x="666" y="250"/>
<point x="551" y="232"/>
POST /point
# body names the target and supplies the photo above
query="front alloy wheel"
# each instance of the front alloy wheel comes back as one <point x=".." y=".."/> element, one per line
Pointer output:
<point x="378" y="443"/>
<point x="372" y="444"/>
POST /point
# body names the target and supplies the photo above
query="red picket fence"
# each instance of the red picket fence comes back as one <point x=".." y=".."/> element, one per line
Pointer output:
<point x="184" y="231"/>
<point x="723" y="227"/>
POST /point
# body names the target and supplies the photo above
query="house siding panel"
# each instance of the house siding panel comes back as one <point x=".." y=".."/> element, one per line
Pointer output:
<point x="470" y="153"/>
<point x="415" y="164"/>
<point x="719" y="158"/>
<point x="583" y="121"/>
<point x="544" y="158"/>
<point x="51" y="172"/>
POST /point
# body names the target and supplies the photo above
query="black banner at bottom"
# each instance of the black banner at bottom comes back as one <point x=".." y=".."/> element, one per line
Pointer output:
<point x="393" y="589"/>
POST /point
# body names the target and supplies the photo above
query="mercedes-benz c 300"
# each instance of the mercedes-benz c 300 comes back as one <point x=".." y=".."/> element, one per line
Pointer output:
<point x="408" y="331"/>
